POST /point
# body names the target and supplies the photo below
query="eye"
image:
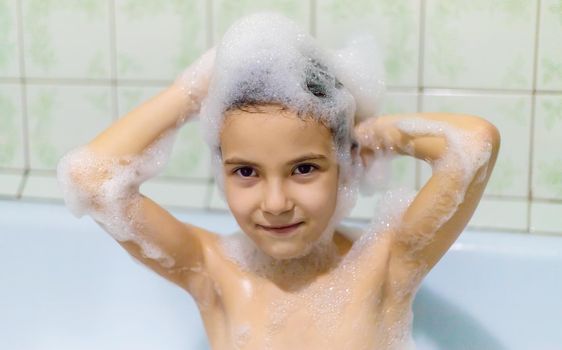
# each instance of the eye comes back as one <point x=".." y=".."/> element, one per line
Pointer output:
<point x="304" y="169"/>
<point x="245" y="171"/>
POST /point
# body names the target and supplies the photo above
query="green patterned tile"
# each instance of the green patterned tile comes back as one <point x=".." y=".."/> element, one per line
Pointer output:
<point x="503" y="214"/>
<point x="190" y="157"/>
<point x="217" y="201"/>
<point x="128" y="98"/>
<point x="511" y="114"/>
<point x="66" y="38"/>
<point x="547" y="159"/>
<point x="10" y="182"/>
<point x="366" y="206"/>
<point x="158" y="39"/>
<point x="545" y="217"/>
<point x="403" y="169"/>
<point x="549" y="74"/>
<point x="63" y="117"/>
<point x="176" y="194"/>
<point x="480" y="43"/>
<point x="9" y="64"/>
<point x="226" y="12"/>
<point x="42" y="186"/>
<point x="11" y="127"/>
<point x="394" y="24"/>
<point x="394" y="102"/>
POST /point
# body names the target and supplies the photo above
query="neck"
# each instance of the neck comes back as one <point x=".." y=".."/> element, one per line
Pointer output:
<point x="288" y="274"/>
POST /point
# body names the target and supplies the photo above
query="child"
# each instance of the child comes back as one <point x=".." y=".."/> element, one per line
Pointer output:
<point x="288" y="150"/>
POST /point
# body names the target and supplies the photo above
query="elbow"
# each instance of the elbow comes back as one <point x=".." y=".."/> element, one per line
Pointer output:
<point x="82" y="178"/>
<point x="78" y="170"/>
<point x="491" y="136"/>
<point x="484" y="131"/>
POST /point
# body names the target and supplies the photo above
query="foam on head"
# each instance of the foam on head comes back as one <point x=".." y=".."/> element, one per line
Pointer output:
<point x="266" y="58"/>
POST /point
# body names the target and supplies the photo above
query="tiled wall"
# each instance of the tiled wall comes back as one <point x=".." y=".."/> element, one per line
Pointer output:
<point x="70" y="67"/>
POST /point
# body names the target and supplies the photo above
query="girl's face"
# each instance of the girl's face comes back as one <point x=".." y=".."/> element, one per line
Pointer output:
<point x="280" y="178"/>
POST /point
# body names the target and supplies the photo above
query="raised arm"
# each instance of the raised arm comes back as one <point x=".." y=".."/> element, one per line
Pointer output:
<point x="462" y="151"/>
<point x="102" y="178"/>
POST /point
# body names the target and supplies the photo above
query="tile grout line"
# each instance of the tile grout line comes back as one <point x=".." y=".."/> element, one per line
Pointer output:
<point x="421" y="46"/>
<point x="209" y="194"/>
<point x="23" y="100"/>
<point x="312" y="17"/>
<point x="209" y="5"/>
<point x="209" y="22"/>
<point x="84" y="81"/>
<point x="113" y="60"/>
<point x="533" y="116"/>
<point x="420" y="82"/>
<point x="158" y="83"/>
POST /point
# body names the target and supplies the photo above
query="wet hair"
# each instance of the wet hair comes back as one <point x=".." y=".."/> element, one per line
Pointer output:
<point x="318" y="82"/>
<point x="267" y="59"/>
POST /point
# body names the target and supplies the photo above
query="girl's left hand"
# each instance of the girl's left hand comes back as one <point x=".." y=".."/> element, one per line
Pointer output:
<point x="378" y="137"/>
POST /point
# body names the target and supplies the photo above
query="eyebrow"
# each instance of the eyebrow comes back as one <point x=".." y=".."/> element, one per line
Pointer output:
<point x="308" y="156"/>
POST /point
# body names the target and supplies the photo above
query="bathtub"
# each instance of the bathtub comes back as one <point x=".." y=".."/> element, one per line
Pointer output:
<point x="65" y="284"/>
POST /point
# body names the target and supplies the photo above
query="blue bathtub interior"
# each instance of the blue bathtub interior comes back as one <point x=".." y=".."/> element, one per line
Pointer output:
<point x="65" y="284"/>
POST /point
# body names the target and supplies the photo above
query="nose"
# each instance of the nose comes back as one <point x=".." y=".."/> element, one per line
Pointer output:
<point x="275" y="200"/>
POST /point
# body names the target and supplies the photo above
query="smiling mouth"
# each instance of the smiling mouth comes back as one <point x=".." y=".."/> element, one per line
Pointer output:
<point x="281" y="230"/>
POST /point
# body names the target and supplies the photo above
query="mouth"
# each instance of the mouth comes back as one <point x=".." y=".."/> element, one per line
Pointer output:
<point x="284" y="230"/>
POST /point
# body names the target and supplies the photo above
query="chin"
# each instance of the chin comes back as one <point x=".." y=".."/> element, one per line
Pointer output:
<point x="287" y="254"/>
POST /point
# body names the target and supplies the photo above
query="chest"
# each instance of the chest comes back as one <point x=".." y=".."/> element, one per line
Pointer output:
<point x="345" y="309"/>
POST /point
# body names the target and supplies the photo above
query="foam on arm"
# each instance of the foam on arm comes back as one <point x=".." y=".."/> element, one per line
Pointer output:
<point x="107" y="189"/>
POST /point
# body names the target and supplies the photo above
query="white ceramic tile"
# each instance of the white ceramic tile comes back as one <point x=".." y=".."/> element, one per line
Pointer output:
<point x="226" y="12"/>
<point x="158" y="39"/>
<point x="403" y="169"/>
<point x="504" y="214"/>
<point x="549" y="73"/>
<point x="66" y="39"/>
<point x="9" y="63"/>
<point x="128" y="98"/>
<point x="10" y="182"/>
<point x="11" y="127"/>
<point x="425" y="172"/>
<point x="63" y="117"/>
<point x="511" y="114"/>
<point x="190" y="156"/>
<point x="365" y="208"/>
<point x="546" y="217"/>
<point x="394" y="102"/>
<point x="41" y="185"/>
<point x="393" y="23"/>
<point x="176" y="194"/>
<point x="217" y="201"/>
<point x="479" y="43"/>
<point x="547" y="156"/>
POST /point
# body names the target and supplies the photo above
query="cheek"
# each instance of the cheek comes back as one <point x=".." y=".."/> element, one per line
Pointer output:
<point x="239" y="201"/>
<point x="319" y="199"/>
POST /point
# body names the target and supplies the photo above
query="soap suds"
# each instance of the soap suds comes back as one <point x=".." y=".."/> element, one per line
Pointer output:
<point x="106" y="188"/>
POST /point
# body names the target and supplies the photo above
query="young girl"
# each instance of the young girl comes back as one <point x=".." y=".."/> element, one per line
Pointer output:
<point x="290" y="139"/>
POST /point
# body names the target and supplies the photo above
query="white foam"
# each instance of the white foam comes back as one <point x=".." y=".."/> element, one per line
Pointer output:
<point x="378" y="173"/>
<point x="267" y="58"/>
<point x="390" y="209"/>
<point x="359" y="67"/>
<point x="106" y="188"/>
<point x="466" y="154"/>
<point x="242" y="335"/>
<point x="242" y="250"/>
